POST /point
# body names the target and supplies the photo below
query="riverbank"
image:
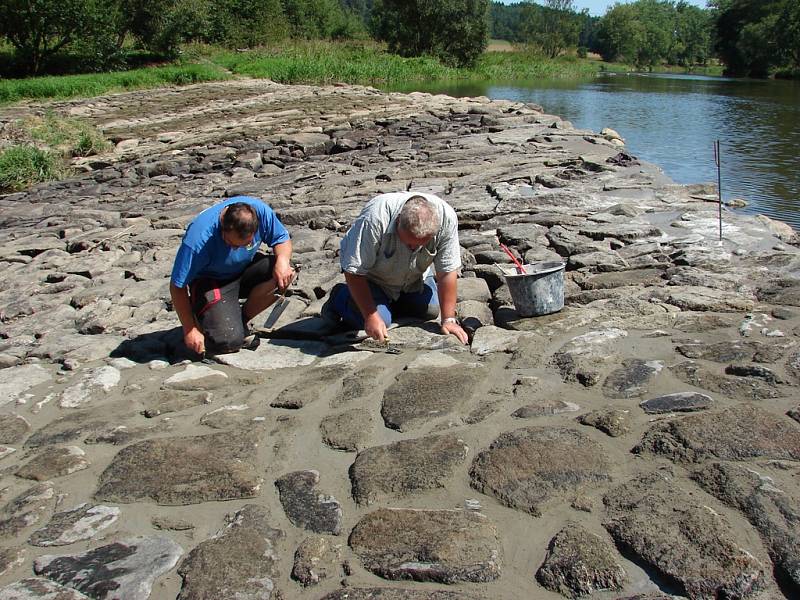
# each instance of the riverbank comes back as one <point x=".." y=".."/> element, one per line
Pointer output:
<point x="313" y="62"/>
<point x="643" y="440"/>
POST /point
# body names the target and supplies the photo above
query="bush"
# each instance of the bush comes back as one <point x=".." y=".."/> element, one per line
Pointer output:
<point x="455" y="31"/>
<point x="25" y="165"/>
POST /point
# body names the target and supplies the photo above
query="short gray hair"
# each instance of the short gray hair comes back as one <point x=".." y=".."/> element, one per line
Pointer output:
<point x="419" y="217"/>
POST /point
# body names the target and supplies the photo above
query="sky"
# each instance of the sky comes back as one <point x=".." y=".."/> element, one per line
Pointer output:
<point x="597" y="8"/>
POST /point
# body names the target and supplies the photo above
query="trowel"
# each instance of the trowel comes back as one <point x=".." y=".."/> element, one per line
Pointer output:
<point x="280" y="304"/>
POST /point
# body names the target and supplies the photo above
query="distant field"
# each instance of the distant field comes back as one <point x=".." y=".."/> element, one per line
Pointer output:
<point x="500" y="46"/>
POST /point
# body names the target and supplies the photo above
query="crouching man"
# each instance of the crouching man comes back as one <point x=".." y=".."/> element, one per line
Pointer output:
<point x="218" y="264"/>
<point x="387" y="255"/>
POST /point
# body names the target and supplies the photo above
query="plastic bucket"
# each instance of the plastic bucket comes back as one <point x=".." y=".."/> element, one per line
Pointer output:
<point x="540" y="291"/>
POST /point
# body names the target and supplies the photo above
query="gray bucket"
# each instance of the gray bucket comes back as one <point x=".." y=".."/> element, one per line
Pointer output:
<point x="540" y="291"/>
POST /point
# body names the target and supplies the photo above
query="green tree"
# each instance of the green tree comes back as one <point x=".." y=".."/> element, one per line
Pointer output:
<point x="788" y="33"/>
<point x="620" y="33"/>
<point x="657" y="21"/>
<point x="505" y="21"/>
<point x="245" y="23"/>
<point x="455" y="31"/>
<point x="552" y="28"/>
<point x="693" y="27"/>
<point x="38" y="29"/>
<point x="753" y="37"/>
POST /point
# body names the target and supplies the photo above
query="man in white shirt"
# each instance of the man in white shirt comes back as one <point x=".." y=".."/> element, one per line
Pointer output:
<point x="400" y="257"/>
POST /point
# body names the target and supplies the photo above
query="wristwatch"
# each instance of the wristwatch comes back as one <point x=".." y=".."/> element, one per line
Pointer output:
<point x="450" y="320"/>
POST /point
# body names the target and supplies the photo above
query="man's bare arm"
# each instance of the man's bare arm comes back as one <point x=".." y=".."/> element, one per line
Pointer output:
<point x="192" y="336"/>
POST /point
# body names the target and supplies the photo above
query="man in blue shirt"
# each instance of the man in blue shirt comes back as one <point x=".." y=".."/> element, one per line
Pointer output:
<point x="217" y="264"/>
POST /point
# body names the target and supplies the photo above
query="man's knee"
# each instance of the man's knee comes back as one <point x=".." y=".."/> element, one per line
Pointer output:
<point x="224" y="330"/>
<point x="224" y="342"/>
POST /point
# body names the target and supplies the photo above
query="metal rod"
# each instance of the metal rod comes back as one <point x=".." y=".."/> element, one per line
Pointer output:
<point x="718" y="160"/>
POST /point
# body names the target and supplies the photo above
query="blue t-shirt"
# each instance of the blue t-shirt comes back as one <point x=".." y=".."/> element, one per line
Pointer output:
<point x="203" y="253"/>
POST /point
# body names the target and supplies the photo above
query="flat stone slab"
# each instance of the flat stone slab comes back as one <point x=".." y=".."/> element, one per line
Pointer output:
<point x="738" y="433"/>
<point x="305" y="506"/>
<point x="240" y="561"/>
<point x="631" y="380"/>
<point x="81" y="523"/>
<point x="528" y="467"/>
<point x="358" y="385"/>
<point x="50" y="463"/>
<point x="196" y="377"/>
<point x="26" y="509"/>
<point x="349" y="430"/>
<point x="314" y="384"/>
<point x="73" y="426"/>
<point x="444" y="546"/>
<point x="677" y="402"/>
<point x="275" y="354"/>
<point x="543" y="408"/>
<point x="37" y="588"/>
<point x="490" y="339"/>
<point x="13" y="428"/>
<point x="11" y="558"/>
<point x="611" y="421"/>
<point x="770" y="503"/>
<point x="169" y="401"/>
<point x="100" y="379"/>
<point x="582" y="358"/>
<point x="721" y="352"/>
<point x="662" y="526"/>
<point x="123" y="569"/>
<point x="407" y="466"/>
<point x="579" y="563"/>
<point x="15" y="381"/>
<point x="706" y="299"/>
<point x="739" y="388"/>
<point x="184" y="470"/>
<point x="315" y="559"/>
<point x="419" y="395"/>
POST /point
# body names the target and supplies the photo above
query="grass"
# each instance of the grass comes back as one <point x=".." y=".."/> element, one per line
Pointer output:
<point x="41" y="147"/>
<point x="96" y="84"/>
<point x="24" y="165"/>
<point x="68" y="137"/>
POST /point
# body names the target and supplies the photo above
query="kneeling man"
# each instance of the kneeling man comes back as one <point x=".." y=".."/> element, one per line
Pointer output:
<point x="387" y="255"/>
<point x="218" y="263"/>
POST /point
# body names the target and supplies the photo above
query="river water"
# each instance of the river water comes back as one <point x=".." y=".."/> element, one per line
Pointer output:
<point x="673" y="121"/>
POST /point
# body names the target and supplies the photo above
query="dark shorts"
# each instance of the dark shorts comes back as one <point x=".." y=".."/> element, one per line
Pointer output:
<point x="216" y="306"/>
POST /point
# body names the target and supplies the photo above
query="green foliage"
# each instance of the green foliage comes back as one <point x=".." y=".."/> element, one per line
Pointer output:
<point x="70" y="86"/>
<point x="39" y="28"/>
<point x="455" y="31"/>
<point x="757" y="37"/>
<point x="649" y="33"/>
<point x="552" y="28"/>
<point x="22" y="166"/>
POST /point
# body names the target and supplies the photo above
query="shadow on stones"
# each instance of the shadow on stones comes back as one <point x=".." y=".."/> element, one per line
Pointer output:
<point x="666" y="584"/>
<point x="166" y="344"/>
<point x="785" y="584"/>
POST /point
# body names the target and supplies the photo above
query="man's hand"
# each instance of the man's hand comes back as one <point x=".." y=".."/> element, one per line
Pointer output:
<point x="375" y="327"/>
<point x="283" y="273"/>
<point x="452" y="327"/>
<point x="195" y="340"/>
